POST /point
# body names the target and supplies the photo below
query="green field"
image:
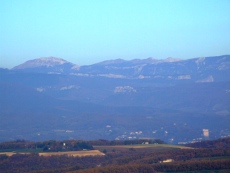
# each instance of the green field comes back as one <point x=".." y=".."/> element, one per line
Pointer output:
<point x="68" y="153"/>
<point x="140" y="147"/>
<point x="22" y="150"/>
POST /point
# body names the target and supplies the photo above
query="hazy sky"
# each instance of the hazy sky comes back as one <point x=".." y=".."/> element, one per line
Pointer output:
<point x="89" y="31"/>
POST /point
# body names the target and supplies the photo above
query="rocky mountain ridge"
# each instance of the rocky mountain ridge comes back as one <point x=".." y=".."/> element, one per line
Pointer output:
<point x="118" y="99"/>
<point x="207" y="69"/>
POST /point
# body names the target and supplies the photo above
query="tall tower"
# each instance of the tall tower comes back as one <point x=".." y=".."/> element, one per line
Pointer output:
<point x="206" y="132"/>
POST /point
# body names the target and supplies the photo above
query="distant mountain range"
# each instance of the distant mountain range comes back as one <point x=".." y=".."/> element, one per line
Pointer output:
<point x="206" y="69"/>
<point x="171" y="99"/>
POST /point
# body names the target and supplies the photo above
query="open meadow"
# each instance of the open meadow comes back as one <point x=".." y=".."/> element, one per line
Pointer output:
<point x="74" y="153"/>
<point x="140" y="147"/>
<point x="66" y="153"/>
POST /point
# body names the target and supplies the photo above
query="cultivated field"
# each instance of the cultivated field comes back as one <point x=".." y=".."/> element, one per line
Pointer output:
<point x="140" y="147"/>
<point x="68" y="153"/>
<point x="74" y="153"/>
<point x="11" y="153"/>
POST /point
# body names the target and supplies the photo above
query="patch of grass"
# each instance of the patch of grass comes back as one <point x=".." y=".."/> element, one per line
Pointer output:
<point x="74" y="153"/>
<point x="22" y="150"/>
<point x="140" y="147"/>
<point x="68" y="153"/>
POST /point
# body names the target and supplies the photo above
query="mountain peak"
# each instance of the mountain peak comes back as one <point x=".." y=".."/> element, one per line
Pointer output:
<point x="42" y="62"/>
<point x="109" y="62"/>
<point x="52" y="60"/>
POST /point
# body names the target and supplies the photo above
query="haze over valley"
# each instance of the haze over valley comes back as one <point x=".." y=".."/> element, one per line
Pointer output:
<point x="176" y="100"/>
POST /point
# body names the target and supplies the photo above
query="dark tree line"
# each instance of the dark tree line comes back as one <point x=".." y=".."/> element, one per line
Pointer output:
<point x="69" y="145"/>
<point x="47" y="146"/>
<point x="219" y="143"/>
<point x="102" y="142"/>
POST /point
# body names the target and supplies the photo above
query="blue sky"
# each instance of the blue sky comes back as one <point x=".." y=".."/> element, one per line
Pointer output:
<point x="87" y="32"/>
